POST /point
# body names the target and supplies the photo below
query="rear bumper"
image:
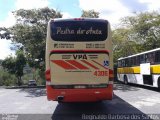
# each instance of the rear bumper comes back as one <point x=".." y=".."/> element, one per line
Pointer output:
<point x="80" y="95"/>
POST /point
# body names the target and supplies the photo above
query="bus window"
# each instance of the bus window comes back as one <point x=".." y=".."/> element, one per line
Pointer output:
<point x="146" y="58"/>
<point x="137" y="60"/>
<point x="133" y="61"/>
<point x="142" y="58"/>
<point x="129" y="62"/>
<point x="126" y="62"/>
<point x="83" y="30"/>
<point x="119" y="64"/>
<point x="149" y="58"/>
<point x="157" y="56"/>
<point x="152" y="57"/>
<point x="123" y="63"/>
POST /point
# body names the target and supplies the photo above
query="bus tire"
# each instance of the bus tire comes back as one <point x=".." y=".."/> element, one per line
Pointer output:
<point x="158" y="83"/>
<point x="60" y="102"/>
<point x="125" y="80"/>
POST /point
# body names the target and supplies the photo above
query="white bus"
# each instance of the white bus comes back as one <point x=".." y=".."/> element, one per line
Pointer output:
<point x="79" y="65"/>
<point x="142" y="68"/>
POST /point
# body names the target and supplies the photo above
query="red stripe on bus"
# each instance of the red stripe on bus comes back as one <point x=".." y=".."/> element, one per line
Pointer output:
<point x="79" y="51"/>
<point x="86" y="62"/>
<point x="63" y="64"/>
<point x="77" y="64"/>
<point x="100" y="64"/>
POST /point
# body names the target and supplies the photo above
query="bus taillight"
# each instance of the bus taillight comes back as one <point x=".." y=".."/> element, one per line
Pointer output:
<point x="48" y="75"/>
<point x="111" y="77"/>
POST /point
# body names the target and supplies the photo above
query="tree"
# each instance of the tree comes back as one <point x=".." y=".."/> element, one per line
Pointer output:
<point x="90" y="14"/>
<point x="15" y="65"/>
<point x="123" y="45"/>
<point x="137" y="33"/>
<point x="145" y="28"/>
<point x="30" y="31"/>
<point x="7" y="78"/>
<point x="4" y="33"/>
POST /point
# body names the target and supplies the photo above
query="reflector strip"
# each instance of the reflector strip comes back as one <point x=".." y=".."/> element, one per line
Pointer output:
<point x="77" y="64"/>
<point x="89" y="64"/>
<point x="100" y="64"/>
<point x="63" y="64"/>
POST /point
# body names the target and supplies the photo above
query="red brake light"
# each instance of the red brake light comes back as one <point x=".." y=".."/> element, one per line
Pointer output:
<point x="48" y="75"/>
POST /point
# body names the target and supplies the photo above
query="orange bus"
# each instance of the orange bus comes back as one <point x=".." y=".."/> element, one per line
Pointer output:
<point x="79" y="65"/>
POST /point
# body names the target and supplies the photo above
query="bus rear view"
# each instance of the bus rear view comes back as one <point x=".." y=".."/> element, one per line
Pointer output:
<point x="79" y="65"/>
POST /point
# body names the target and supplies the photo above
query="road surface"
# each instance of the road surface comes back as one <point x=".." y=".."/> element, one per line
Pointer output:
<point x="129" y="102"/>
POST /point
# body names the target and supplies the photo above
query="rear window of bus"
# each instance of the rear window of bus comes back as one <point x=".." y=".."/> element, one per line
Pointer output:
<point x="79" y="30"/>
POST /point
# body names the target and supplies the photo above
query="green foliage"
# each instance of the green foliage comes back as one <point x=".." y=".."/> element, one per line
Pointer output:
<point x="90" y="14"/>
<point x="123" y="45"/>
<point x="6" y="78"/>
<point x="14" y="65"/>
<point x="20" y="62"/>
<point x="137" y="33"/>
<point x="9" y="64"/>
<point x="145" y="28"/>
<point x="5" y="33"/>
<point x="30" y="31"/>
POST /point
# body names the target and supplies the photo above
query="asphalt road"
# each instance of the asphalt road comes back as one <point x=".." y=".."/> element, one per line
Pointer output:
<point x="129" y="102"/>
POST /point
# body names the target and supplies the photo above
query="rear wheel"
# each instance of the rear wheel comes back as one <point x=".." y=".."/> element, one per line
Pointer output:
<point x="125" y="80"/>
<point x="159" y="83"/>
<point x="60" y="102"/>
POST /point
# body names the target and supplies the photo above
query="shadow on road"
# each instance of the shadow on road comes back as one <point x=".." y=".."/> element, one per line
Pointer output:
<point x="106" y="109"/>
<point x="132" y="87"/>
<point x="124" y="88"/>
<point x="34" y="92"/>
<point x="145" y="87"/>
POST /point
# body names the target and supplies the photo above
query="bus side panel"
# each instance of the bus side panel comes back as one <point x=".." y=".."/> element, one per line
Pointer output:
<point x="81" y="95"/>
<point x="134" y="76"/>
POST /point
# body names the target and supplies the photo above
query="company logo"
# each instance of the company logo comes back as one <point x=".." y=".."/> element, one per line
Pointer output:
<point x="80" y="57"/>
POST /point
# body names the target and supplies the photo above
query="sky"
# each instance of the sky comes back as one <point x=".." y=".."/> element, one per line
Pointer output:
<point x="111" y="10"/>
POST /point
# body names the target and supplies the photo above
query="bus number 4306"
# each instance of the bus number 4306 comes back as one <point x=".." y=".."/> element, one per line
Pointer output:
<point x="101" y="73"/>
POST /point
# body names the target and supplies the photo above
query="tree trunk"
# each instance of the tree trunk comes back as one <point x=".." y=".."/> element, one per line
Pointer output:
<point x="19" y="81"/>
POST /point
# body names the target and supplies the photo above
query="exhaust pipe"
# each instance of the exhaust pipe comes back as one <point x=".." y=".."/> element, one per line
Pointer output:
<point x="60" y="98"/>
